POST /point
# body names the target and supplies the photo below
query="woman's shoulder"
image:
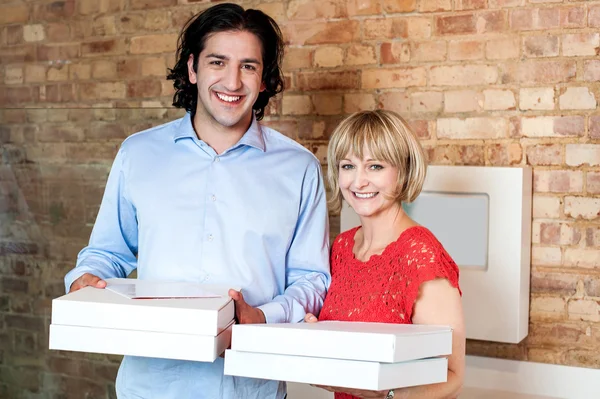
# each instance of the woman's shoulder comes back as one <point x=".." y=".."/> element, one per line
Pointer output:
<point x="420" y="237"/>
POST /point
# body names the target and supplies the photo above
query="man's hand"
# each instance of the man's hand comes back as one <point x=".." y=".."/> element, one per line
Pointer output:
<point x="244" y="313"/>
<point x="310" y="318"/>
<point x="87" y="280"/>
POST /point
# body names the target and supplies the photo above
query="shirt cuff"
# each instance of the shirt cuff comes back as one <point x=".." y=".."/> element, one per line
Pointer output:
<point x="274" y="312"/>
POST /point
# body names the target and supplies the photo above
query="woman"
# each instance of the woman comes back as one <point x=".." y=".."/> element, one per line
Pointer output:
<point x="389" y="269"/>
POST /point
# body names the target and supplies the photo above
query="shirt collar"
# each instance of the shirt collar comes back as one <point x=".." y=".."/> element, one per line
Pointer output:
<point x="253" y="136"/>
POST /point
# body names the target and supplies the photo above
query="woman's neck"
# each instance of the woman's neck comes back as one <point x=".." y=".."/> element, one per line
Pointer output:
<point x="380" y="231"/>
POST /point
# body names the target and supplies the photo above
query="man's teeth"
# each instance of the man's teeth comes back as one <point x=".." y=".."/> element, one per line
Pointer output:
<point x="229" y="99"/>
<point x="365" y="195"/>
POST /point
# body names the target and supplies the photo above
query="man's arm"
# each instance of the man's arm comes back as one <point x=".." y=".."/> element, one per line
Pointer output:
<point x="307" y="260"/>
<point x="113" y="244"/>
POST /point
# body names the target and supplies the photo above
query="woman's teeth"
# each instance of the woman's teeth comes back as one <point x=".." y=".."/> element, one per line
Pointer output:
<point x="365" y="195"/>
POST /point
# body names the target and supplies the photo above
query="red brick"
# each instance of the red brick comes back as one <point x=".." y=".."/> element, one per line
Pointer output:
<point x="59" y="52"/>
<point x="12" y="285"/>
<point x="103" y="47"/>
<point x="14" y="13"/>
<point x="15" y="95"/>
<point x="554" y="282"/>
<point x="57" y="32"/>
<point x="572" y="17"/>
<point x="108" y="90"/>
<point x="535" y="19"/>
<point x="148" y="4"/>
<point x="505" y="154"/>
<point x="470" y="4"/>
<point x="316" y="9"/>
<point x="420" y="128"/>
<point x="153" y="44"/>
<point x="591" y="70"/>
<point x="328" y="80"/>
<point x="593" y="184"/>
<point x="91" y="152"/>
<point x="14" y="35"/>
<point x="336" y="32"/>
<point x="466" y="50"/>
<point x="594" y="17"/>
<point x="428" y="51"/>
<point x="385" y="28"/>
<point x="394" y="53"/>
<point x="27" y="323"/>
<point x="545" y="154"/>
<point x="595" y="127"/>
<point x="54" y="11"/>
<point x="456" y="25"/>
<point x="17" y="54"/>
<point x="143" y="88"/>
<point x="456" y="155"/>
<point x="540" y="72"/>
<point x="392" y="78"/>
<point x="540" y="46"/>
<point x="392" y="6"/>
<point x="435" y="5"/>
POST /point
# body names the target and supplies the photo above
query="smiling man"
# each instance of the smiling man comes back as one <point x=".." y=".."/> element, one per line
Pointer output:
<point x="215" y="197"/>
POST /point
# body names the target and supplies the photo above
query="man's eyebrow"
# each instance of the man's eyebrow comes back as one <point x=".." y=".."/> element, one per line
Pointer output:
<point x="224" y="57"/>
<point x="250" y="61"/>
<point x="214" y="55"/>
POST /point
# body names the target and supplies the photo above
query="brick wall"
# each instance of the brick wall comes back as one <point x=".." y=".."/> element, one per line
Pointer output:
<point x="483" y="82"/>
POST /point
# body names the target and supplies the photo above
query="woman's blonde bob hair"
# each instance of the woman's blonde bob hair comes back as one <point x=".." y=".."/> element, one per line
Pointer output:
<point x="387" y="137"/>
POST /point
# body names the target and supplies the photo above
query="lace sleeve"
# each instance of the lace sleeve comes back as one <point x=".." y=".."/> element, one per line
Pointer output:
<point x="424" y="259"/>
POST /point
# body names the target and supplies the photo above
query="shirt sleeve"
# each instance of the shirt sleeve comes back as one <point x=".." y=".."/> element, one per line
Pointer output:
<point x="307" y="260"/>
<point x="113" y="245"/>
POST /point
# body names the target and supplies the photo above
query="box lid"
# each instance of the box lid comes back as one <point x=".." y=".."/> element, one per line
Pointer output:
<point x="377" y="342"/>
<point x="93" y="307"/>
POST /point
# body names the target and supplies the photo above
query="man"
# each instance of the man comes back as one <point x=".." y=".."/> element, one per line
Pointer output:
<point x="214" y="197"/>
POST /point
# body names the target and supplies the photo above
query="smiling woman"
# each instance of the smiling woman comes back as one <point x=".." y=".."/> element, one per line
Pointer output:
<point x="389" y="269"/>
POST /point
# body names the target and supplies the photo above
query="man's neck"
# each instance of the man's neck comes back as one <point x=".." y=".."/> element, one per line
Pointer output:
<point x="220" y="138"/>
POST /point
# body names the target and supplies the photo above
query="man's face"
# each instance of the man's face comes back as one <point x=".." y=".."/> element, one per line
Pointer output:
<point x="229" y="79"/>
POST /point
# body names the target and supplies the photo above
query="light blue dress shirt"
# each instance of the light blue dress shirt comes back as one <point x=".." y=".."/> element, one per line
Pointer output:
<point x="253" y="217"/>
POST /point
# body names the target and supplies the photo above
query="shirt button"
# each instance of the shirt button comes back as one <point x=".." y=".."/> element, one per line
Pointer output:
<point x="217" y="159"/>
<point x="213" y="198"/>
<point x="210" y="237"/>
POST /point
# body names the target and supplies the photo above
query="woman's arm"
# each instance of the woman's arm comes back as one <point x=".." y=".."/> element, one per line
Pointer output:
<point x="438" y="303"/>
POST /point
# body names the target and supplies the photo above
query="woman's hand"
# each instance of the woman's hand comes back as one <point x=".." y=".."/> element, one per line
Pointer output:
<point x="310" y="318"/>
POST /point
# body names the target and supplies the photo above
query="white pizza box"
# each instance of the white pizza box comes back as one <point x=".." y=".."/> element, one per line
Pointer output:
<point x="195" y="347"/>
<point x="103" y="308"/>
<point x="376" y="342"/>
<point x="336" y="372"/>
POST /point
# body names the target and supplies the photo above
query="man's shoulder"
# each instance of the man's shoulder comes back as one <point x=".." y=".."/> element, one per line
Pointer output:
<point x="156" y="134"/>
<point x="283" y="143"/>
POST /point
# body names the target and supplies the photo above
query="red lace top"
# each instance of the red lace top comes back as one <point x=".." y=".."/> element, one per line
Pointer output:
<point x="384" y="288"/>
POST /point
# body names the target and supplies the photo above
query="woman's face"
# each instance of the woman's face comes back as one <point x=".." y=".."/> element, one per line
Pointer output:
<point x="368" y="185"/>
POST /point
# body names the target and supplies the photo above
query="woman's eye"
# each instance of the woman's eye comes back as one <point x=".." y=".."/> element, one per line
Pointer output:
<point x="376" y="167"/>
<point x="346" y="167"/>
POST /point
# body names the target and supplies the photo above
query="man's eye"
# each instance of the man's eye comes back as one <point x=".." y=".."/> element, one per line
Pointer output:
<point x="220" y="63"/>
<point x="249" y="67"/>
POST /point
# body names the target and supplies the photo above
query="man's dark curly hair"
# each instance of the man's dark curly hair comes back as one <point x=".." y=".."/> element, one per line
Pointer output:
<point x="222" y="18"/>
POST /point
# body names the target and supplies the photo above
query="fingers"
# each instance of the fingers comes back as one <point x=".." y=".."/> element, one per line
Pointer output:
<point x="236" y="295"/>
<point x="310" y="318"/>
<point x="86" y="280"/>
